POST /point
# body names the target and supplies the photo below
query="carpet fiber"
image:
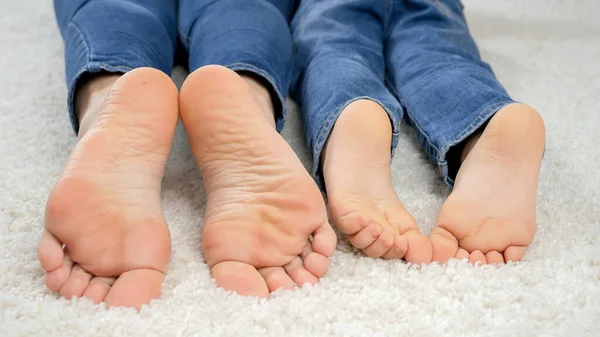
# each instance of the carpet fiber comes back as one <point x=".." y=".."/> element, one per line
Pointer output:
<point x="546" y="52"/>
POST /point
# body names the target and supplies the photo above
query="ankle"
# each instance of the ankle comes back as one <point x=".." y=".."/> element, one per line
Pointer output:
<point x="90" y="96"/>
<point x="262" y="95"/>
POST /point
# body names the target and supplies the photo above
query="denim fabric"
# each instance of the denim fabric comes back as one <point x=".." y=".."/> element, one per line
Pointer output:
<point x="245" y="36"/>
<point x="121" y="35"/>
<point x="413" y="56"/>
<point x="115" y="36"/>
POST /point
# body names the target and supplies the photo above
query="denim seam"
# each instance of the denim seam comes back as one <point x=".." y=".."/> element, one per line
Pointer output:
<point x="330" y="121"/>
<point x="186" y="39"/>
<point x="302" y="18"/>
<point x="413" y="121"/>
<point x="388" y="16"/>
<point x="264" y="74"/>
<point x="81" y="34"/>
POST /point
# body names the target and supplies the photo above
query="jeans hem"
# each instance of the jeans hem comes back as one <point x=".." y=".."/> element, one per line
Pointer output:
<point x="328" y="125"/>
<point x="483" y="116"/>
<point x="280" y="110"/>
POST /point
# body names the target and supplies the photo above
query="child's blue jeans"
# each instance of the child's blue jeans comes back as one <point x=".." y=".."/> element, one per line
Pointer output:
<point x="415" y="58"/>
<point x="120" y="35"/>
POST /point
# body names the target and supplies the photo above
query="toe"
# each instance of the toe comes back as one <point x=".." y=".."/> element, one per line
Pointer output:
<point x="497" y="234"/>
<point x="50" y="252"/>
<point x="398" y="249"/>
<point x="365" y="237"/>
<point x="462" y="254"/>
<point x="514" y="253"/>
<point x="299" y="274"/>
<point x="76" y="283"/>
<point x="382" y="245"/>
<point x="135" y="288"/>
<point x="419" y="247"/>
<point x="98" y="288"/>
<point x="493" y="257"/>
<point x="57" y="277"/>
<point x="352" y="223"/>
<point x="444" y="244"/>
<point x="240" y="277"/>
<point x="276" y="278"/>
<point x="324" y="240"/>
<point x="477" y="257"/>
<point x="317" y="264"/>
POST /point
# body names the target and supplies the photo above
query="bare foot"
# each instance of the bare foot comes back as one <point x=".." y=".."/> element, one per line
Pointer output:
<point x="105" y="235"/>
<point x="362" y="202"/>
<point x="490" y="215"/>
<point x="262" y="204"/>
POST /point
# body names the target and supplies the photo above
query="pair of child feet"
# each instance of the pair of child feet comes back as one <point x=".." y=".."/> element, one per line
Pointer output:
<point x="266" y="225"/>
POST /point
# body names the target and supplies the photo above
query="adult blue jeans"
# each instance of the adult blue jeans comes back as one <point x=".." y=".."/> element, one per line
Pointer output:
<point x="415" y="58"/>
<point x="117" y="36"/>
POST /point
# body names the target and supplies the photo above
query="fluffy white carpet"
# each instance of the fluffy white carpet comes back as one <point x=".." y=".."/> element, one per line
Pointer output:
<point x="546" y="52"/>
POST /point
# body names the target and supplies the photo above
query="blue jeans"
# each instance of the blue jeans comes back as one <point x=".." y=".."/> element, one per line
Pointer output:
<point x="117" y="36"/>
<point x="415" y="58"/>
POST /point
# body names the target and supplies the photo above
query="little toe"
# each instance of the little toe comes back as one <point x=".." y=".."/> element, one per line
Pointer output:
<point x="276" y="278"/>
<point x="477" y="257"/>
<point x="462" y="254"/>
<point x="444" y="244"/>
<point x="299" y="274"/>
<point x="98" y="288"/>
<point x="514" y="253"/>
<point x="324" y="240"/>
<point x="135" y="288"/>
<point x="76" y="283"/>
<point x="50" y="252"/>
<point x="419" y="249"/>
<point x="366" y="236"/>
<point x="56" y="278"/>
<point x="382" y="245"/>
<point x="398" y="249"/>
<point x="493" y="257"/>
<point x="240" y="277"/>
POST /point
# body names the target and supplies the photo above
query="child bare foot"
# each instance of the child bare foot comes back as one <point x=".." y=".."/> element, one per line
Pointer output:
<point x="105" y="234"/>
<point x="362" y="202"/>
<point x="262" y="204"/>
<point x="490" y="215"/>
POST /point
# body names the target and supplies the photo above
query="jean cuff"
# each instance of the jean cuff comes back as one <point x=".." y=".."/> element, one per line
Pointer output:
<point x="276" y="93"/>
<point x="484" y="114"/>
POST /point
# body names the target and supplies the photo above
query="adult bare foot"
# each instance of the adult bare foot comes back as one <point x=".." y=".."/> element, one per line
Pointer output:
<point x="490" y="215"/>
<point x="262" y="204"/>
<point x="105" y="235"/>
<point x="362" y="202"/>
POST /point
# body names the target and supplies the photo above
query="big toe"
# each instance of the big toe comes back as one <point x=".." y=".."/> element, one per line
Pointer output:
<point x="444" y="245"/>
<point x="135" y="288"/>
<point x="419" y="247"/>
<point x="241" y="278"/>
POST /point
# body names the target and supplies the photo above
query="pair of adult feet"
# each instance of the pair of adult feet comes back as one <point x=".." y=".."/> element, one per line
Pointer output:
<point x="265" y="226"/>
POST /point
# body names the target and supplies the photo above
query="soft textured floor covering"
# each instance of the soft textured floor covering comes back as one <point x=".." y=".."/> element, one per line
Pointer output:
<point x="546" y="52"/>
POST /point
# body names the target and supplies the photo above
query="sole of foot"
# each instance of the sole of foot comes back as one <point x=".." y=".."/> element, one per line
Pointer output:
<point x="362" y="202"/>
<point x="490" y="216"/>
<point x="265" y="225"/>
<point x="105" y="234"/>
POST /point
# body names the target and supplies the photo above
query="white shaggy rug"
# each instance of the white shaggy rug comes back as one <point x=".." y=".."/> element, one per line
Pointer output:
<point x="546" y="52"/>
